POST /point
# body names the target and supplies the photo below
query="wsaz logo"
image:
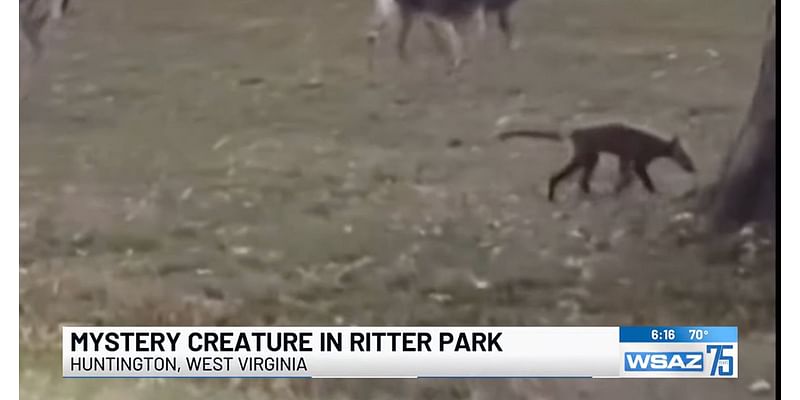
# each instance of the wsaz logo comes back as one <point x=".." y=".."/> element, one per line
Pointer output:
<point x="664" y="361"/>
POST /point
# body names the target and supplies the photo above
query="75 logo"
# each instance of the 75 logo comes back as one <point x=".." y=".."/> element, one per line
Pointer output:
<point x="722" y="364"/>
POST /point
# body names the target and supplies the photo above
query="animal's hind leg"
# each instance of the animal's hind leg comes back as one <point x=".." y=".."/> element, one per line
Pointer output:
<point x="480" y="20"/>
<point x="58" y="7"/>
<point x="473" y="37"/>
<point x="406" y="21"/>
<point x="504" y="23"/>
<point x="455" y="44"/>
<point x="589" y="164"/>
<point x="30" y="32"/>
<point x="384" y="11"/>
<point x="436" y="36"/>
<point x="565" y="172"/>
<point x="32" y="28"/>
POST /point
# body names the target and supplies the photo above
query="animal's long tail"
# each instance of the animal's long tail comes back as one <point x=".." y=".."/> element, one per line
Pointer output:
<point x="530" y="134"/>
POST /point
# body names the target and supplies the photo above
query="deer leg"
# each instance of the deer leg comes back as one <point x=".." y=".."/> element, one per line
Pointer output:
<point x="504" y="22"/>
<point x="436" y="36"/>
<point x="406" y="21"/>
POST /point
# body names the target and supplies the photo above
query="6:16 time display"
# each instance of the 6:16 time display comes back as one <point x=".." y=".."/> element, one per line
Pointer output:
<point x="662" y="334"/>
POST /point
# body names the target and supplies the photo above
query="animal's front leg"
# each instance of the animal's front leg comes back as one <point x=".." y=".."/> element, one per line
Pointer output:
<point x="473" y="31"/>
<point x="480" y="20"/>
<point x="455" y="43"/>
<point x="58" y="7"/>
<point x="30" y="32"/>
<point x="641" y="171"/>
<point x="436" y="36"/>
<point x="504" y="21"/>
<point x="406" y="21"/>
<point x="384" y="11"/>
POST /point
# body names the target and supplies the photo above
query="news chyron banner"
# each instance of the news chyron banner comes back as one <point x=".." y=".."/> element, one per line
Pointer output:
<point x="400" y="352"/>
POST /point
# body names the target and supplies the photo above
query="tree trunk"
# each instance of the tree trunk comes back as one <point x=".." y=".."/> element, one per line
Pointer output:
<point x="746" y="191"/>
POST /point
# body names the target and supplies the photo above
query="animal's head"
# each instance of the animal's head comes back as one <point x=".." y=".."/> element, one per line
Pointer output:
<point x="677" y="152"/>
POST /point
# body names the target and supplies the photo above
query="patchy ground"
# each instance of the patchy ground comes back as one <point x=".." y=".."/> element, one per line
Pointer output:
<point x="229" y="162"/>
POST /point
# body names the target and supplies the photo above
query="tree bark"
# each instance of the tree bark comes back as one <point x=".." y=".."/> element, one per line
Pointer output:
<point x="746" y="190"/>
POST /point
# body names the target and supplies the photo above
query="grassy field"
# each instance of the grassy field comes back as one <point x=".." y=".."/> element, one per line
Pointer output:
<point x="230" y="162"/>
